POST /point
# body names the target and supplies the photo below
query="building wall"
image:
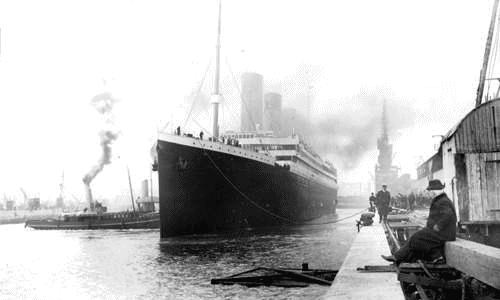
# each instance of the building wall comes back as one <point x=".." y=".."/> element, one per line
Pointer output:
<point x="472" y="181"/>
<point x="482" y="191"/>
<point x="448" y="172"/>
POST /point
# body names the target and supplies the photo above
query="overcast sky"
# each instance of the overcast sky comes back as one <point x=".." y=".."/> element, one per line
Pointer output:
<point x="423" y="57"/>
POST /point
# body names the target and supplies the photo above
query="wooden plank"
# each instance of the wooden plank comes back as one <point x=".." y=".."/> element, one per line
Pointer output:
<point x="484" y="187"/>
<point x="497" y="125"/>
<point x="415" y="267"/>
<point x="482" y="129"/>
<point x="421" y="292"/>
<point x="477" y="260"/>
<point x="483" y="119"/>
<point x="394" y="225"/>
<point x="476" y="126"/>
<point x="462" y="187"/>
<point x="479" y="131"/>
<point x="491" y="135"/>
<point x="471" y="179"/>
<point x="301" y="276"/>
<point x="466" y="137"/>
<point x="429" y="282"/>
<point x="492" y="187"/>
<point x="398" y="218"/>
<point x="374" y="269"/>
<point x="469" y="137"/>
<point x="492" y="222"/>
<point x="476" y="197"/>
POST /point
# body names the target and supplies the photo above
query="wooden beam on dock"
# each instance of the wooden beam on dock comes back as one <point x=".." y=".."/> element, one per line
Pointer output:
<point x="398" y="218"/>
<point x="477" y="260"/>
<point x="366" y="249"/>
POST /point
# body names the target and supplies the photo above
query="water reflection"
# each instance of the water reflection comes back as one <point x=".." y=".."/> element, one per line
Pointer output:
<point x="134" y="264"/>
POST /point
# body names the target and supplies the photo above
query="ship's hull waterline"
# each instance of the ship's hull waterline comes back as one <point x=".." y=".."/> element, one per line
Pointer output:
<point x="203" y="190"/>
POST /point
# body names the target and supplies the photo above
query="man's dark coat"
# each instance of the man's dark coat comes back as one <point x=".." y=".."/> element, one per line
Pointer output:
<point x="442" y="213"/>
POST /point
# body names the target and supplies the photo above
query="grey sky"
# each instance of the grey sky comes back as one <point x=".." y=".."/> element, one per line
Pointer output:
<point x="424" y="57"/>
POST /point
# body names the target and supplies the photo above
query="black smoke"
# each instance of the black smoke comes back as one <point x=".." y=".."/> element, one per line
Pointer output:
<point x="349" y="128"/>
<point x="103" y="103"/>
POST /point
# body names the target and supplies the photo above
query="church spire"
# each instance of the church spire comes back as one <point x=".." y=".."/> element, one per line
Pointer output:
<point x="385" y="135"/>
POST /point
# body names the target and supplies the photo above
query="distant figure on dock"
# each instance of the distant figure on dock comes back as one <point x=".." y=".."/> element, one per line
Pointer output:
<point x="411" y="201"/>
<point x="201" y="135"/>
<point x="382" y="202"/>
<point x="372" y="201"/>
<point x="178" y="130"/>
<point x="427" y="243"/>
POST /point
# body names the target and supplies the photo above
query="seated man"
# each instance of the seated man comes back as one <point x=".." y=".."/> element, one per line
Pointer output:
<point x="427" y="243"/>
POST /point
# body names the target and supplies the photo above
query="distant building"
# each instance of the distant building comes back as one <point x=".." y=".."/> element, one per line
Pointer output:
<point x="10" y="205"/>
<point x="34" y="203"/>
<point x="385" y="172"/>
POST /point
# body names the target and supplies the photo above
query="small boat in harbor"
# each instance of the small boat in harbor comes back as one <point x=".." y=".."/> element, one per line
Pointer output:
<point x="97" y="217"/>
<point x="94" y="220"/>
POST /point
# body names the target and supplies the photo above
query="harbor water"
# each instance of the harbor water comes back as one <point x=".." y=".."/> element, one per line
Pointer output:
<point x="136" y="264"/>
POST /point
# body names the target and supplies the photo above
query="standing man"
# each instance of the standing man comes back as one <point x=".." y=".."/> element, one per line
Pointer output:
<point x="372" y="201"/>
<point x="411" y="201"/>
<point x="428" y="242"/>
<point x="382" y="202"/>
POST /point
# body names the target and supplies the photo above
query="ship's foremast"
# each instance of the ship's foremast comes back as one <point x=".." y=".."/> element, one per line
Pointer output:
<point x="216" y="94"/>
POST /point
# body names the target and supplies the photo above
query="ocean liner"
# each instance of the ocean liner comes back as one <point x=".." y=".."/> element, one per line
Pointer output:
<point x="252" y="178"/>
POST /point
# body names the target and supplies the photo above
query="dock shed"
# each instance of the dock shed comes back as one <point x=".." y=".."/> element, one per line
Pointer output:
<point x="470" y="169"/>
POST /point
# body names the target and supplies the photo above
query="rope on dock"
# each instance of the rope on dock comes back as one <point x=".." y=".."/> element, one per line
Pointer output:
<point x="339" y="220"/>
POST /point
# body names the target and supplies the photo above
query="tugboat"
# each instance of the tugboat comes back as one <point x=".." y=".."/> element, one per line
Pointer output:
<point x="97" y="217"/>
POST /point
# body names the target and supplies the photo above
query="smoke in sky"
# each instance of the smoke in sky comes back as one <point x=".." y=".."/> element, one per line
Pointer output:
<point x="351" y="126"/>
<point x="103" y="103"/>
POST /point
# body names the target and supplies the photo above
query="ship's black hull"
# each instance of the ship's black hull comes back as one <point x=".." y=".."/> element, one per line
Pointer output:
<point x="204" y="191"/>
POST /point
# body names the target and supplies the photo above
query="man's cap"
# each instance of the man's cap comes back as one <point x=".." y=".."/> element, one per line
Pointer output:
<point x="384" y="185"/>
<point x="435" y="184"/>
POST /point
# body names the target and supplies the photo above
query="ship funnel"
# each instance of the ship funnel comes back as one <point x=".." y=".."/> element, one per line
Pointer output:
<point x="251" y="101"/>
<point x="88" y="196"/>
<point x="272" y="113"/>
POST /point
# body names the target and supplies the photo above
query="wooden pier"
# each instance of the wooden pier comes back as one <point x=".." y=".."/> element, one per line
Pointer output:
<point x="366" y="249"/>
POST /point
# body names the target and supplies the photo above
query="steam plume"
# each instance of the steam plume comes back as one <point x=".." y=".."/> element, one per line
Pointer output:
<point x="103" y="103"/>
<point x="351" y="126"/>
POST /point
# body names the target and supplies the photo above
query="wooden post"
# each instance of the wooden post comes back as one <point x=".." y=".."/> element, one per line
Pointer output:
<point x="482" y="76"/>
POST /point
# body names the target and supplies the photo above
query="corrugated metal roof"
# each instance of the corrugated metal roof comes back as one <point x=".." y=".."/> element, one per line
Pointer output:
<point x="479" y="130"/>
<point x="452" y="131"/>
